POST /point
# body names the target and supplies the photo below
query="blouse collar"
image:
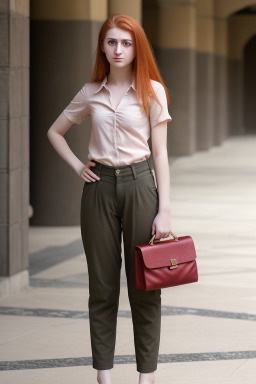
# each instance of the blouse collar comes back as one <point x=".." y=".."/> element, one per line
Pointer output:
<point x="103" y="84"/>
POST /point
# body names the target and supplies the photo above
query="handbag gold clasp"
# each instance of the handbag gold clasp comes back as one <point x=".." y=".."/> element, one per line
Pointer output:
<point x="174" y="264"/>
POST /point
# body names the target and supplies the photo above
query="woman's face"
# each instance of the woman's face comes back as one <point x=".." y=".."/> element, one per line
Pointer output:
<point x="119" y="44"/>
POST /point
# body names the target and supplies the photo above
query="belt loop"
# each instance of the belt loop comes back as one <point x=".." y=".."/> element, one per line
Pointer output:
<point x="149" y="164"/>
<point x="133" y="171"/>
<point x="100" y="165"/>
<point x="100" y="168"/>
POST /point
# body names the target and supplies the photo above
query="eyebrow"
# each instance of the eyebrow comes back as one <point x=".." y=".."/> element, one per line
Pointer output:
<point x="111" y="38"/>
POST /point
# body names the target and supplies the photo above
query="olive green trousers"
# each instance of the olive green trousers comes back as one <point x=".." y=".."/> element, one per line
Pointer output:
<point x="123" y="202"/>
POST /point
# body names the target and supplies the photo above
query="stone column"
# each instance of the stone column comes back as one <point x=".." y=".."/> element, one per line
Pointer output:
<point x="14" y="143"/>
<point x="205" y="75"/>
<point x="220" y="79"/>
<point x="241" y="28"/>
<point x="171" y="27"/>
<point x="235" y="79"/>
<point x="63" y="49"/>
<point x="131" y="8"/>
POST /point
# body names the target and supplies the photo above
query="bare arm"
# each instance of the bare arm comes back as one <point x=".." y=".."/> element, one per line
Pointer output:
<point x="162" y="171"/>
<point x="56" y="136"/>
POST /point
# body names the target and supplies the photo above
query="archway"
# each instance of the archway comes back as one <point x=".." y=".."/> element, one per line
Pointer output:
<point x="249" y="85"/>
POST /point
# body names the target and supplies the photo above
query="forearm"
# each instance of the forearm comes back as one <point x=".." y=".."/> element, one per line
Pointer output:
<point x="162" y="172"/>
<point x="62" y="148"/>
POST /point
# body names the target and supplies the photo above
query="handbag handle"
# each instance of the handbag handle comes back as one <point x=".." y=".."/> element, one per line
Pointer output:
<point x="151" y="241"/>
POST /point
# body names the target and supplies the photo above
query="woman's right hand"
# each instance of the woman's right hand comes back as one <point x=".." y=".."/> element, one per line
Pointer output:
<point x="87" y="175"/>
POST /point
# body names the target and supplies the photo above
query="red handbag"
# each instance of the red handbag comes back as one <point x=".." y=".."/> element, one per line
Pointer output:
<point x="165" y="263"/>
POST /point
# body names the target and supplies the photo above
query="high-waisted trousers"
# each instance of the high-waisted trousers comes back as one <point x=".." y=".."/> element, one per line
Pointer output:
<point x="123" y="202"/>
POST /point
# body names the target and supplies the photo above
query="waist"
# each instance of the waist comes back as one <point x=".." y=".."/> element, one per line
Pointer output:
<point x="122" y="170"/>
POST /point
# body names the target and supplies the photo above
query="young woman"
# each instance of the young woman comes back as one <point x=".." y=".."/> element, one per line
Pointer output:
<point x="127" y="102"/>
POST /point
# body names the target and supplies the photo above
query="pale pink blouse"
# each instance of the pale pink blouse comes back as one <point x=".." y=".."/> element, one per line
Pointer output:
<point x="118" y="136"/>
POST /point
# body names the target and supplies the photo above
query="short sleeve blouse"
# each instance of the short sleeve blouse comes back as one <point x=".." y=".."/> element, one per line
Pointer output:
<point x="119" y="136"/>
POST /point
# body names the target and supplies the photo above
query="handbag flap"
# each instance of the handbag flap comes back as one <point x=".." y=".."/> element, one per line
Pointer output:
<point x="160" y="253"/>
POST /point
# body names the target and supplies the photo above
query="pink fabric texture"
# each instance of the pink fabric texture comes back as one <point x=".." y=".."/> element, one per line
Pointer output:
<point x="118" y="136"/>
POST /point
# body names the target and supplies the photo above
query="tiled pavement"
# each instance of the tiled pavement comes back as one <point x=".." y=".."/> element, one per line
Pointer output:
<point x="208" y="328"/>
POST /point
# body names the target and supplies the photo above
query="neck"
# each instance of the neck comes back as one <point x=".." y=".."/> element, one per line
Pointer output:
<point x="120" y="76"/>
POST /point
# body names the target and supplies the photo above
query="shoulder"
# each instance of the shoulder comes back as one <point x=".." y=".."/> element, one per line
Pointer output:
<point x="157" y="87"/>
<point x="90" y="88"/>
<point x="159" y="92"/>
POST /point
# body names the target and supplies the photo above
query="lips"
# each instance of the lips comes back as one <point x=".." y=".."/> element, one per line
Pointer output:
<point x="118" y="58"/>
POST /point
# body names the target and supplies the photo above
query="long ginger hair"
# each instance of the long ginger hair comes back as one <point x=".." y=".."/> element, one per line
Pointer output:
<point x="144" y="63"/>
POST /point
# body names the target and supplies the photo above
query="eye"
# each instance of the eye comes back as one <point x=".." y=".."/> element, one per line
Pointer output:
<point x="126" y="43"/>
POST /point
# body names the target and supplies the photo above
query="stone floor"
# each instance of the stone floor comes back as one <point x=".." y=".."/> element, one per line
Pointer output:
<point x="208" y="328"/>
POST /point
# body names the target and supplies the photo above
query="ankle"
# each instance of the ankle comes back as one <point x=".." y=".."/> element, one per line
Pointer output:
<point x="104" y="376"/>
<point x="147" y="378"/>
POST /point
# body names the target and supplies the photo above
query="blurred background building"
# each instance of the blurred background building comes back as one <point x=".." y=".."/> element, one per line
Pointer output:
<point x="206" y="53"/>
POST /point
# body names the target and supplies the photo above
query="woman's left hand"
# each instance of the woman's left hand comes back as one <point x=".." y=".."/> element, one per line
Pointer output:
<point x="161" y="225"/>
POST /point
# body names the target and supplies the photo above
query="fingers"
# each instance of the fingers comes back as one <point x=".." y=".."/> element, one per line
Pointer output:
<point x="87" y="175"/>
<point x="160" y="235"/>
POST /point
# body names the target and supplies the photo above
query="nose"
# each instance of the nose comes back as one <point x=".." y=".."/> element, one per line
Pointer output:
<point x="118" y="48"/>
